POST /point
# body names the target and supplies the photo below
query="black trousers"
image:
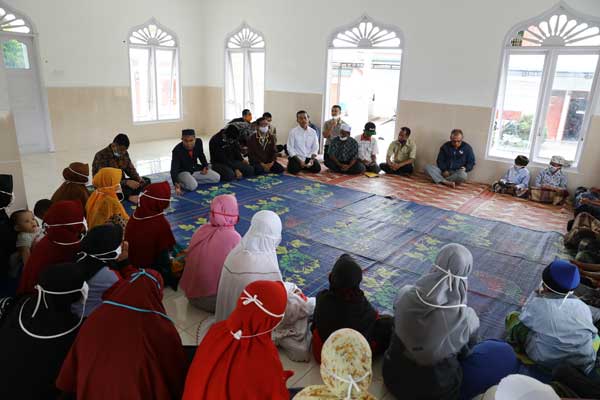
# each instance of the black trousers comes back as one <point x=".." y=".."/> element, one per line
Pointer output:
<point x="357" y="168"/>
<point x="294" y="166"/>
<point x="227" y="172"/>
<point x="407" y="169"/>
<point x="275" y="169"/>
<point x="127" y="191"/>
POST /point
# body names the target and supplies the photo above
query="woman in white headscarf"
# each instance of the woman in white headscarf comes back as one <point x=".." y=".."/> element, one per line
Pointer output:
<point x="434" y="328"/>
<point x="255" y="259"/>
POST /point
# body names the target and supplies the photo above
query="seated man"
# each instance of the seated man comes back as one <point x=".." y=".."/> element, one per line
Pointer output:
<point x="550" y="185"/>
<point x="516" y="180"/>
<point x="115" y="155"/>
<point x="226" y="155"/>
<point x="454" y="160"/>
<point x="331" y="128"/>
<point x="367" y="148"/>
<point x="186" y="173"/>
<point x="401" y="154"/>
<point x="588" y="201"/>
<point x="244" y="126"/>
<point x="343" y="153"/>
<point x="262" y="152"/>
<point x="555" y="327"/>
<point x="302" y="146"/>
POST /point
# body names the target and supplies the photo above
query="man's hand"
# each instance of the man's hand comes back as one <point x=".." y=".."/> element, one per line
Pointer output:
<point x="238" y="174"/>
<point x="245" y="161"/>
<point x="344" y="167"/>
<point x="394" y="166"/>
<point x="124" y="251"/>
<point x="366" y="162"/>
<point x="204" y="171"/>
<point x="132" y="184"/>
<point x="178" y="190"/>
<point x="586" y="201"/>
<point x="446" y="174"/>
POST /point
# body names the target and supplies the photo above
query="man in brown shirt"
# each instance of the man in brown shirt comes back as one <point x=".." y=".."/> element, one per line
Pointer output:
<point x="115" y="155"/>
<point x="262" y="151"/>
<point x="331" y="128"/>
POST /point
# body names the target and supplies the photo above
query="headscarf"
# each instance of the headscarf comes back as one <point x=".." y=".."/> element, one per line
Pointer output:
<point x="103" y="204"/>
<point x="148" y="231"/>
<point x="74" y="186"/>
<point x="65" y="226"/>
<point x="101" y="246"/>
<point x="209" y="247"/>
<point x="253" y="259"/>
<point x="521" y="387"/>
<point x="6" y="191"/>
<point x="345" y="369"/>
<point x="344" y="305"/>
<point x="237" y="358"/>
<point x="431" y="318"/>
<point x="127" y="348"/>
<point x="8" y="235"/>
<point x="32" y="363"/>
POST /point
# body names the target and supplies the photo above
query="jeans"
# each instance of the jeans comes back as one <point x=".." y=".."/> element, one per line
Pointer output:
<point x="435" y="173"/>
<point x="227" y="172"/>
<point x="294" y="165"/>
<point x="190" y="182"/>
<point x="357" y="168"/>
<point x="404" y="170"/>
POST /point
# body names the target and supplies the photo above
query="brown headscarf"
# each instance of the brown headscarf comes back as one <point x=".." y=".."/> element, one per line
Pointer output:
<point x="74" y="186"/>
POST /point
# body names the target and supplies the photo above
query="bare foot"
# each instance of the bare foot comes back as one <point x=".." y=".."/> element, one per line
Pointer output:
<point x="449" y="184"/>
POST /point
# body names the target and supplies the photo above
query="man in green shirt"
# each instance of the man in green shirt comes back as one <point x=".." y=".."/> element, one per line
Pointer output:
<point x="401" y="154"/>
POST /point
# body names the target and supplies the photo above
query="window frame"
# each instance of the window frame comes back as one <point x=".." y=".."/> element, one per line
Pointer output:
<point x="152" y="52"/>
<point x="551" y="53"/>
<point x="246" y="51"/>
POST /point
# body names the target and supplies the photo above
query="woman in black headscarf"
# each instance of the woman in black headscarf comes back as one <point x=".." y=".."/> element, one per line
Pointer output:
<point x="8" y="236"/>
<point x="344" y="305"/>
<point x="37" y="333"/>
<point x="101" y="249"/>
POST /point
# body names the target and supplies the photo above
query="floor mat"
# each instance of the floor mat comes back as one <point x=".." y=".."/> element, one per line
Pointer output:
<point x="395" y="241"/>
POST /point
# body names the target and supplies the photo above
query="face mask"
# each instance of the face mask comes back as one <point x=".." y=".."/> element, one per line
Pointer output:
<point x="237" y="217"/>
<point x="337" y="117"/>
<point x="116" y="154"/>
<point x="42" y="296"/>
<point x="402" y="141"/>
<point x="139" y="202"/>
<point x="352" y="383"/>
<point x="85" y="229"/>
<point x="450" y="277"/>
<point x="554" y="169"/>
<point x="120" y="194"/>
<point x="100" y="256"/>
<point x="247" y="299"/>
<point x="343" y="138"/>
<point x="87" y="178"/>
<point x="263" y="129"/>
<point x="12" y="199"/>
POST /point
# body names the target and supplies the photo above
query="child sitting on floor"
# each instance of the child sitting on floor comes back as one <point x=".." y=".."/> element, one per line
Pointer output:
<point x="555" y="327"/>
<point x="344" y="305"/>
<point x="516" y="180"/>
<point x="24" y="223"/>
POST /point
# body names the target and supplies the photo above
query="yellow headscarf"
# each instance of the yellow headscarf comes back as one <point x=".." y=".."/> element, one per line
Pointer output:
<point x="345" y="369"/>
<point x="104" y="204"/>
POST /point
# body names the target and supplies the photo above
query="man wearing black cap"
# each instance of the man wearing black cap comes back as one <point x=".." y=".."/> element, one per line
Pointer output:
<point x="186" y="172"/>
<point x="115" y="155"/>
<point x="226" y="155"/>
<point x="7" y="233"/>
<point x="367" y="148"/>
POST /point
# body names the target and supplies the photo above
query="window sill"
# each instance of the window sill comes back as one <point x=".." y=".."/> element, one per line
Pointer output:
<point x="157" y="121"/>
<point x="573" y="169"/>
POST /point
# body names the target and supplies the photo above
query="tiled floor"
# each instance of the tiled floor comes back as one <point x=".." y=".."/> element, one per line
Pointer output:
<point x="43" y="175"/>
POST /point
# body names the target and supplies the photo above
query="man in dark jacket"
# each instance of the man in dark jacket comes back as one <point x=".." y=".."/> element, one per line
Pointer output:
<point x="226" y="155"/>
<point x="186" y="172"/>
<point x="454" y="160"/>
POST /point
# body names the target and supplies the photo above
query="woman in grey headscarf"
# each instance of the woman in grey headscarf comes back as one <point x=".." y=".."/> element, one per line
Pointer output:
<point x="433" y="327"/>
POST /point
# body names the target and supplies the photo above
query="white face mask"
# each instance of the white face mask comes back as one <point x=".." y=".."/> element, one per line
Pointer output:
<point x="85" y="226"/>
<point x="343" y="138"/>
<point x="247" y="299"/>
<point x="12" y="199"/>
<point x="450" y="277"/>
<point x="42" y="296"/>
<point x="263" y="129"/>
<point x="144" y="194"/>
<point x="116" y="253"/>
<point x="87" y="178"/>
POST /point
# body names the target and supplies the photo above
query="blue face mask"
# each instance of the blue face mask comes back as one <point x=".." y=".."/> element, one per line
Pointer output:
<point x="116" y="154"/>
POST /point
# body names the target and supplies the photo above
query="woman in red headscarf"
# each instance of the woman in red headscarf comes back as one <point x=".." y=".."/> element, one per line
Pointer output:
<point x="65" y="227"/>
<point x="128" y="348"/>
<point x="149" y="234"/>
<point x="237" y="359"/>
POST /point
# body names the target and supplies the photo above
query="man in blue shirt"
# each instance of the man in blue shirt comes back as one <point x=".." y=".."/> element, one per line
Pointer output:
<point x="454" y="160"/>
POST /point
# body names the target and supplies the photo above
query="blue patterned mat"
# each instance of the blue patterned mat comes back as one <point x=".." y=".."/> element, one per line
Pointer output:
<point x="394" y="241"/>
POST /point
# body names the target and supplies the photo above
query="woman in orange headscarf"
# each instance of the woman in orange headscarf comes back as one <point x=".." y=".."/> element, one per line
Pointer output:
<point x="74" y="186"/>
<point x="104" y="206"/>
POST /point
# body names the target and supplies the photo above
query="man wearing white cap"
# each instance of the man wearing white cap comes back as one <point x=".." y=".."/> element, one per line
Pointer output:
<point x="343" y="153"/>
<point x="550" y="185"/>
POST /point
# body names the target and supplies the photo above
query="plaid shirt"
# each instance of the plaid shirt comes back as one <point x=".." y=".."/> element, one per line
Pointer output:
<point x="105" y="158"/>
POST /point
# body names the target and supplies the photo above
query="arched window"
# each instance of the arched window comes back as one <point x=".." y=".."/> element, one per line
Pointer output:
<point x="154" y="73"/>
<point x="244" y="72"/>
<point x="547" y="87"/>
<point x="12" y="23"/>
<point x="363" y="76"/>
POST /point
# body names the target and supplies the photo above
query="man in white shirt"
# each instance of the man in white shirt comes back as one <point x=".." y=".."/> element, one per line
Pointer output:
<point x="367" y="148"/>
<point x="302" y="146"/>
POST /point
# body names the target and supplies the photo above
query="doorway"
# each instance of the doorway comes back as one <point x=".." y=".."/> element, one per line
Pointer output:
<point x="363" y="77"/>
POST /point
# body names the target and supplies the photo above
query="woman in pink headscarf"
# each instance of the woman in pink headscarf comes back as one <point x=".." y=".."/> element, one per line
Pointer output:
<point x="207" y="251"/>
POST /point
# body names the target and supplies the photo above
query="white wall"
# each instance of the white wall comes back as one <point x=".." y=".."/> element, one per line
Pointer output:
<point x="452" y="48"/>
<point x="82" y="41"/>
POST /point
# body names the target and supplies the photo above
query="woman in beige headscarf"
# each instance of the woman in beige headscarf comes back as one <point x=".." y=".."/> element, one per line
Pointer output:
<point x="345" y="369"/>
